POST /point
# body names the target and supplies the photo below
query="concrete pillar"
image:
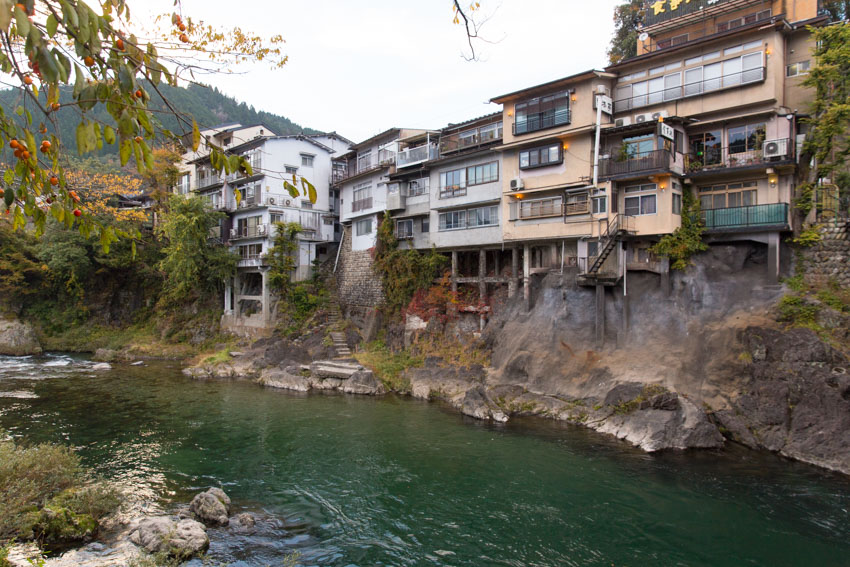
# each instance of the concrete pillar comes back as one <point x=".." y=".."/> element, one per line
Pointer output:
<point x="497" y="265"/>
<point x="228" y="289"/>
<point x="482" y="273"/>
<point x="625" y="310"/>
<point x="512" y="284"/>
<point x="237" y="291"/>
<point x="665" y="276"/>
<point x="454" y="271"/>
<point x="773" y="257"/>
<point x="600" y="315"/>
<point x="266" y="297"/>
<point x="553" y="257"/>
<point x="526" y="276"/>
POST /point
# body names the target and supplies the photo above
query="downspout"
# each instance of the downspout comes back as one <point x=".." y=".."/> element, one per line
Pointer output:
<point x="338" y="250"/>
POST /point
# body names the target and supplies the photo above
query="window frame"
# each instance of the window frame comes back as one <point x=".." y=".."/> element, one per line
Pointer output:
<point x="358" y="230"/>
<point x="538" y="150"/>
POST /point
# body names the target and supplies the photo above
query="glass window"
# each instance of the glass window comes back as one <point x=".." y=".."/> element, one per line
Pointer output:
<point x="306" y="160"/>
<point x="732" y="72"/>
<point x="733" y="50"/>
<point x="711" y="77"/>
<point x="746" y="138"/>
<point x="426" y="224"/>
<point x="404" y="228"/>
<point x="707" y="148"/>
<point x="656" y="70"/>
<point x="752" y="44"/>
<point x="677" y="204"/>
<point x="362" y="191"/>
<point x="599" y="204"/>
<point x="536" y="157"/>
<point x="484" y="173"/>
<point x="452" y="179"/>
<point x="363" y="227"/>
<point x="291" y="170"/>
<point x="637" y="146"/>
<point x="693" y="81"/>
<point x="671" y="66"/>
<point x="542" y="112"/>
<point x="693" y="61"/>
<point x="452" y="220"/>
<point x="672" y="86"/>
<point x="712" y="55"/>
<point x="364" y="160"/>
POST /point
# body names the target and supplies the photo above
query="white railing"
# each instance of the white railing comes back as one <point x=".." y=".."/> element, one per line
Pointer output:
<point x="415" y="155"/>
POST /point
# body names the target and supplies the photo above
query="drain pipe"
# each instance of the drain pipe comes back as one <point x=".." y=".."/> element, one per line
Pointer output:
<point x="562" y="257"/>
<point x="338" y="250"/>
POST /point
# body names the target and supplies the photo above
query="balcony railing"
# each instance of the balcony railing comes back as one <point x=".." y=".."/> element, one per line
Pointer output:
<point x="634" y="163"/>
<point x="695" y="88"/>
<point x="256" y="166"/>
<point x="541" y="121"/>
<point x="451" y="191"/>
<point x="742" y="218"/>
<point x="454" y="142"/>
<point x="412" y="156"/>
<point x="206" y="181"/>
<point x="541" y="208"/>
<point x="310" y="220"/>
<point x="361" y="205"/>
<point x="255" y="231"/>
<point x="736" y="156"/>
<point x="577" y="207"/>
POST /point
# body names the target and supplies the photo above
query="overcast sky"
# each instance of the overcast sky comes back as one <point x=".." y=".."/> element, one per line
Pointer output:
<point x="362" y="66"/>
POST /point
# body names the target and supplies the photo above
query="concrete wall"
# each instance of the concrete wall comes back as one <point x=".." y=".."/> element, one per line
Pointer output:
<point x="357" y="283"/>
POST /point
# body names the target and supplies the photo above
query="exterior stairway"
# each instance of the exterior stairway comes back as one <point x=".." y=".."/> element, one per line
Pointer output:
<point x="340" y="344"/>
<point x="616" y="228"/>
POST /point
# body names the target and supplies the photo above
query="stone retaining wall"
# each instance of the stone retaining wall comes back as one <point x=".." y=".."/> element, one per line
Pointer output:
<point x="829" y="260"/>
<point x="357" y="283"/>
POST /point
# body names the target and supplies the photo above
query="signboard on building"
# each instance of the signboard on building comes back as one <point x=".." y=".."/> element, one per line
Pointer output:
<point x="656" y="11"/>
<point x="665" y="131"/>
<point x="605" y="103"/>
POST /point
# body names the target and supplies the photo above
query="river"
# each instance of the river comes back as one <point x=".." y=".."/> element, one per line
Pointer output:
<point x="347" y="480"/>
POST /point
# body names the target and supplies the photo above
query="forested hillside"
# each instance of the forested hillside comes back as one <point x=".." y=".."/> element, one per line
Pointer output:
<point x="206" y="105"/>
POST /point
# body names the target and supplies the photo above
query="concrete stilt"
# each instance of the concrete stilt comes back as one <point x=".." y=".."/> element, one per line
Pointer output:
<point x="512" y="284"/>
<point x="526" y="276"/>
<point x="665" y="276"/>
<point x="454" y="271"/>
<point x="482" y="273"/>
<point x="266" y="297"/>
<point x="600" y="315"/>
<point x="773" y="257"/>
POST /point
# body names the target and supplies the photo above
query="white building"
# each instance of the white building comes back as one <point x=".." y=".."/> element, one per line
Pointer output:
<point x="249" y="227"/>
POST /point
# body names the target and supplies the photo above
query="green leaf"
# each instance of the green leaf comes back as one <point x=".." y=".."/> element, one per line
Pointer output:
<point x="22" y="21"/>
<point x="81" y="138"/>
<point x="125" y="150"/>
<point x="196" y="136"/>
<point x="79" y="81"/>
<point x="9" y="198"/>
<point x="309" y="190"/>
<point x="293" y="190"/>
<point x="5" y="14"/>
<point x="9" y="176"/>
<point x="52" y="24"/>
<point x="109" y="134"/>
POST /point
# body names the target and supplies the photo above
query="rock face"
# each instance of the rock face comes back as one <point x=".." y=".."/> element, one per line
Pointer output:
<point x="796" y="399"/>
<point x="17" y="338"/>
<point x="348" y="377"/>
<point x="182" y="539"/>
<point x="211" y="507"/>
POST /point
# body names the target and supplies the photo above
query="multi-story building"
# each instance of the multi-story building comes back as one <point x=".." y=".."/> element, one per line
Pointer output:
<point x="249" y="228"/>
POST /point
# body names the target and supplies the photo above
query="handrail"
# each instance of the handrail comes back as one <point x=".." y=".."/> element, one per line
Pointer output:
<point x="612" y="228"/>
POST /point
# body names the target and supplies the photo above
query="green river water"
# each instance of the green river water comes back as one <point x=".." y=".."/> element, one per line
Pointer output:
<point x="348" y="480"/>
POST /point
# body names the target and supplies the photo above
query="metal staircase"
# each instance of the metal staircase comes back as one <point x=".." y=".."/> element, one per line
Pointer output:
<point x="616" y="227"/>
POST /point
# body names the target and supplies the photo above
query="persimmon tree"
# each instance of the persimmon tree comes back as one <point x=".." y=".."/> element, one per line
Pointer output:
<point x="50" y="44"/>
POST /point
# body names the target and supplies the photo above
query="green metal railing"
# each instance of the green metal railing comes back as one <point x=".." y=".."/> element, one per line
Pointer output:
<point x="753" y="216"/>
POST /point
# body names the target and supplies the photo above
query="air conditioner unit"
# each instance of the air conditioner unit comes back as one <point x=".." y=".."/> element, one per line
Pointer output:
<point x="261" y="230"/>
<point x="516" y="184"/>
<point x="602" y="90"/>
<point x="660" y="114"/>
<point x="776" y="148"/>
<point x="270" y="201"/>
<point x="234" y="232"/>
<point x="288" y="202"/>
<point x="243" y="204"/>
<point x="622" y="122"/>
<point x="640" y="118"/>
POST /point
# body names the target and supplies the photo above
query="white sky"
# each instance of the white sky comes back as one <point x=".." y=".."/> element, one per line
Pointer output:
<point x="362" y="66"/>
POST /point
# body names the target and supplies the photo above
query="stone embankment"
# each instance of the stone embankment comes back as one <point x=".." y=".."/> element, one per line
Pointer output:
<point x="17" y="338"/>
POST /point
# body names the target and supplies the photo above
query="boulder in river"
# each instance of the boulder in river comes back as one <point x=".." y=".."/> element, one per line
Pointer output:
<point x="18" y="338"/>
<point x="182" y="539"/>
<point x="211" y="507"/>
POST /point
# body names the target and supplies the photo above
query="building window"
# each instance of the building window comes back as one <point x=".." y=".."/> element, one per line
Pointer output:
<point x="416" y="187"/>
<point x="183" y="184"/>
<point x="452" y="220"/>
<point x="291" y="169"/>
<point x="677" y="204"/>
<point x="643" y="204"/>
<point x="250" y="251"/>
<point x="539" y="157"/>
<point x="306" y="204"/>
<point x="468" y="138"/>
<point x="404" y="228"/>
<point x="306" y="160"/>
<point x="599" y="205"/>
<point x="638" y="146"/>
<point x="794" y="69"/>
<point x="362" y="197"/>
<point x="707" y="147"/>
<point x="470" y="218"/>
<point x="747" y="138"/>
<point x="362" y="227"/>
<point x="426" y="224"/>
<point x="743" y="21"/>
<point x="741" y="194"/>
<point x="364" y="161"/>
<point x="452" y="183"/>
<point x="484" y="173"/>
<point x="539" y="208"/>
<point x="542" y="112"/>
<point x="490" y="132"/>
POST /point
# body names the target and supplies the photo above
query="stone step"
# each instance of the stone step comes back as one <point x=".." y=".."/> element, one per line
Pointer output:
<point x="334" y="369"/>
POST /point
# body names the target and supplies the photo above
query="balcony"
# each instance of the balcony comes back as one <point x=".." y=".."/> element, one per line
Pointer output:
<point x="540" y="208"/>
<point x="361" y="205"/>
<point x="451" y="191"/>
<point x="634" y="164"/>
<point x="742" y="219"/>
<point x="250" y="261"/>
<point x="256" y="167"/>
<point x="206" y="181"/>
<point x="697" y="88"/>
<point x="419" y="154"/>
<point x="713" y="159"/>
<point x="541" y="121"/>
<point x="255" y="231"/>
<point x="483" y="136"/>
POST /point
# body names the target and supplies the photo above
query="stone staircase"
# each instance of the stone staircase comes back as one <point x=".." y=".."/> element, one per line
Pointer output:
<point x="334" y="317"/>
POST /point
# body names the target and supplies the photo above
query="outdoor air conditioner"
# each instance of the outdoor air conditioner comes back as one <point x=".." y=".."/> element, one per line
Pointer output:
<point x="660" y="114"/>
<point x="602" y="90"/>
<point x="270" y="200"/>
<point x="243" y="204"/>
<point x="516" y="184"/>
<point x="775" y="148"/>
<point x="288" y="202"/>
<point x="261" y="230"/>
<point x="234" y="232"/>
<point x="640" y="118"/>
<point x="622" y="122"/>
